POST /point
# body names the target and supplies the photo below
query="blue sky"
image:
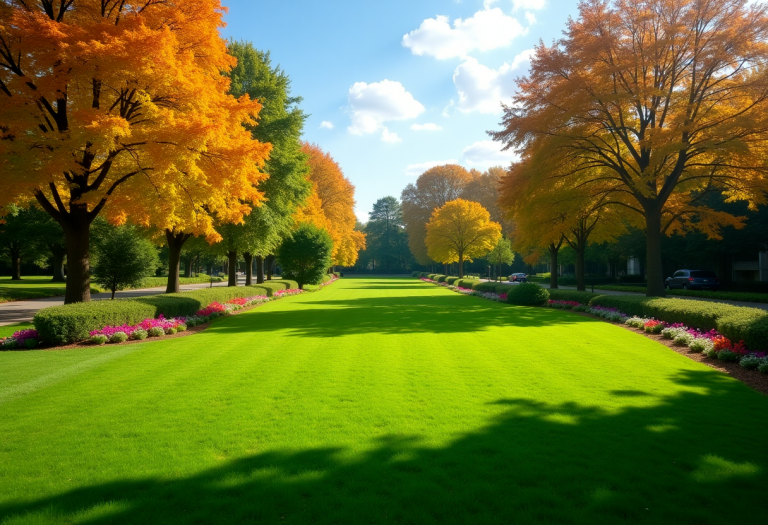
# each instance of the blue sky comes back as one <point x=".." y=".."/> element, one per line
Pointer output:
<point x="394" y="87"/>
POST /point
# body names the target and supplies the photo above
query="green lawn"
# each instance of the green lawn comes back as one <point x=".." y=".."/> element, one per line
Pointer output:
<point x="381" y="401"/>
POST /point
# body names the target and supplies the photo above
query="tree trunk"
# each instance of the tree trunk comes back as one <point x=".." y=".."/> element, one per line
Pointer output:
<point x="16" y="264"/>
<point x="270" y="264"/>
<point x="580" y="248"/>
<point x="57" y="254"/>
<point x="232" y="257"/>
<point x="248" y="257"/>
<point x="461" y="266"/>
<point x="175" y="244"/>
<point x="188" y="268"/>
<point x="553" y="253"/>
<point x="77" y="232"/>
<point x="259" y="269"/>
<point x="653" y="247"/>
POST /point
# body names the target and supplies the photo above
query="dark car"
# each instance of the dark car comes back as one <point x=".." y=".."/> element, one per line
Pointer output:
<point x="518" y="278"/>
<point x="693" y="280"/>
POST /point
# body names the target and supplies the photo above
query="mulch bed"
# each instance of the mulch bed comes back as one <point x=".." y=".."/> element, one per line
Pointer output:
<point x="751" y="378"/>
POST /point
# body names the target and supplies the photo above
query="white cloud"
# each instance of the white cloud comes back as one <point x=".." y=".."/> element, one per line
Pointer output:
<point x="326" y="124"/>
<point x="371" y="105"/>
<point x="390" y="136"/>
<point x="530" y="5"/>
<point x="429" y="126"/>
<point x="414" y="170"/>
<point x="482" y="88"/>
<point x="530" y="17"/>
<point x="487" y="153"/>
<point x="483" y="31"/>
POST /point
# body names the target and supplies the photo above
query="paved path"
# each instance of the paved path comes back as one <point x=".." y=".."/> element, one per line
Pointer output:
<point x="22" y="311"/>
<point x="761" y="306"/>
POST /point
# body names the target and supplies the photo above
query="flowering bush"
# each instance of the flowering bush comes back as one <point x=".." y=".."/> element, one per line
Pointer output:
<point x="563" y="305"/>
<point x="287" y="293"/>
<point x="763" y="367"/>
<point x="653" y="326"/>
<point x="138" y="334"/>
<point x="28" y="338"/>
<point x="155" y="331"/>
<point x="118" y="337"/>
<point x="683" y="339"/>
<point x="211" y="309"/>
<point x="700" y="344"/>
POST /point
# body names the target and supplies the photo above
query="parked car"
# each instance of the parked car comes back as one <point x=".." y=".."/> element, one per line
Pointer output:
<point x="518" y="278"/>
<point x="693" y="280"/>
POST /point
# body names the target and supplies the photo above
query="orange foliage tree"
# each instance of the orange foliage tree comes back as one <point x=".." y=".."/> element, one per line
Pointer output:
<point x="432" y="190"/>
<point x="119" y="107"/>
<point x="331" y="205"/>
<point x="459" y="231"/>
<point x="667" y="99"/>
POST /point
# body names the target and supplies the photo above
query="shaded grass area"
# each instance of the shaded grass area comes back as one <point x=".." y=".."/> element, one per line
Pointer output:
<point x="8" y="330"/>
<point x="381" y="401"/>
<point x="31" y="288"/>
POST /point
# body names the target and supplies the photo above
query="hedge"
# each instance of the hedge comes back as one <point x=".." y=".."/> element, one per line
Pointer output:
<point x="465" y="283"/>
<point x="452" y="280"/>
<point x="416" y="274"/>
<point x="73" y="322"/>
<point x="737" y="323"/>
<point x="431" y="276"/>
<point x="289" y="285"/>
<point x="571" y="295"/>
<point x="527" y="294"/>
<point x="489" y="286"/>
<point x="441" y="278"/>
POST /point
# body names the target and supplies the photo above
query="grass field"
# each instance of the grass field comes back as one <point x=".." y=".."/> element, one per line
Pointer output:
<point x="381" y="401"/>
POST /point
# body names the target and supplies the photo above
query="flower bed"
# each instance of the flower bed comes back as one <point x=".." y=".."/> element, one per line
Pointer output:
<point x="491" y="296"/>
<point x="21" y="340"/>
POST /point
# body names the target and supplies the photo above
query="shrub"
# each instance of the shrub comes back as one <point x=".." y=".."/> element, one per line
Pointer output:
<point x="465" y="283"/>
<point x="734" y="322"/>
<point x="763" y="367"/>
<point x="700" y="344"/>
<point x="170" y="330"/>
<point x="155" y="331"/>
<point x="181" y="327"/>
<point x="750" y="362"/>
<point x="431" y="276"/>
<point x="452" y="280"/>
<point x="139" y="334"/>
<point x="489" y="286"/>
<point x="118" y="337"/>
<point x="711" y="352"/>
<point x="727" y="356"/>
<point x="30" y="343"/>
<point x="74" y="322"/>
<point x="527" y="294"/>
<point x="416" y="274"/>
<point x="683" y="339"/>
<point x="653" y="326"/>
<point x="571" y="295"/>
<point x="339" y="274"/>
<point x="288" y="283"/>
<point x="98" y="339"/>
<point x="441" y="278"/>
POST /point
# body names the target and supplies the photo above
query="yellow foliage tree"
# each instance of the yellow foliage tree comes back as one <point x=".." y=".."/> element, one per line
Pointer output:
<point x="121" y="107"/>
<point x="459" y="231"/>
<point x="432" y="190"/>
<point x="331" y="206"/>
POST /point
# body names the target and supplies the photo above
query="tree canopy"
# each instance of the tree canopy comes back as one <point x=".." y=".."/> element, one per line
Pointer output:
<point x="655" y="104"/>
<point x="306" y="254"/>
<point x="459" y="231"/>
<point x="104" y="108"/>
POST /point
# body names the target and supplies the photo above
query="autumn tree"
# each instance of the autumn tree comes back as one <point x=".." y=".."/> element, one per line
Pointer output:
<point x="483" y="188"/>
<point x="667" y="99"/>
<point x="281" y="123"/>
<point x="331" y="206"/>
<point x="552" y="211"/>
<point x="459" y="231"/>
<point x="432" y="190"/>
<point x="119" y="107"/>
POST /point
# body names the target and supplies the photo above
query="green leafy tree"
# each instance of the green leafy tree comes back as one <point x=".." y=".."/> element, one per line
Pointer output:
<point x="386" y="237"/>
<point x="281" y="123"/>
<point x="306" y="255"/>
<point x="123" y="257"/>
<point x="48" y="238"/>
<point x="17" y="239"/>
<point x="501" y="254"/>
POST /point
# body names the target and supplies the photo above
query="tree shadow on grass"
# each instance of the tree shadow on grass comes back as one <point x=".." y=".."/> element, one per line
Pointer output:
<point x="396" y="315"/>
<point x="684" y="458"/>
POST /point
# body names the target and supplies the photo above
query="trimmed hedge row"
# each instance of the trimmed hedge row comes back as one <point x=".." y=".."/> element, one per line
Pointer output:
<point x="737" y="323"/>
<point x="74" y="322"/>
<point x="289" y="285"/>
<point x="572" y="295"/>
